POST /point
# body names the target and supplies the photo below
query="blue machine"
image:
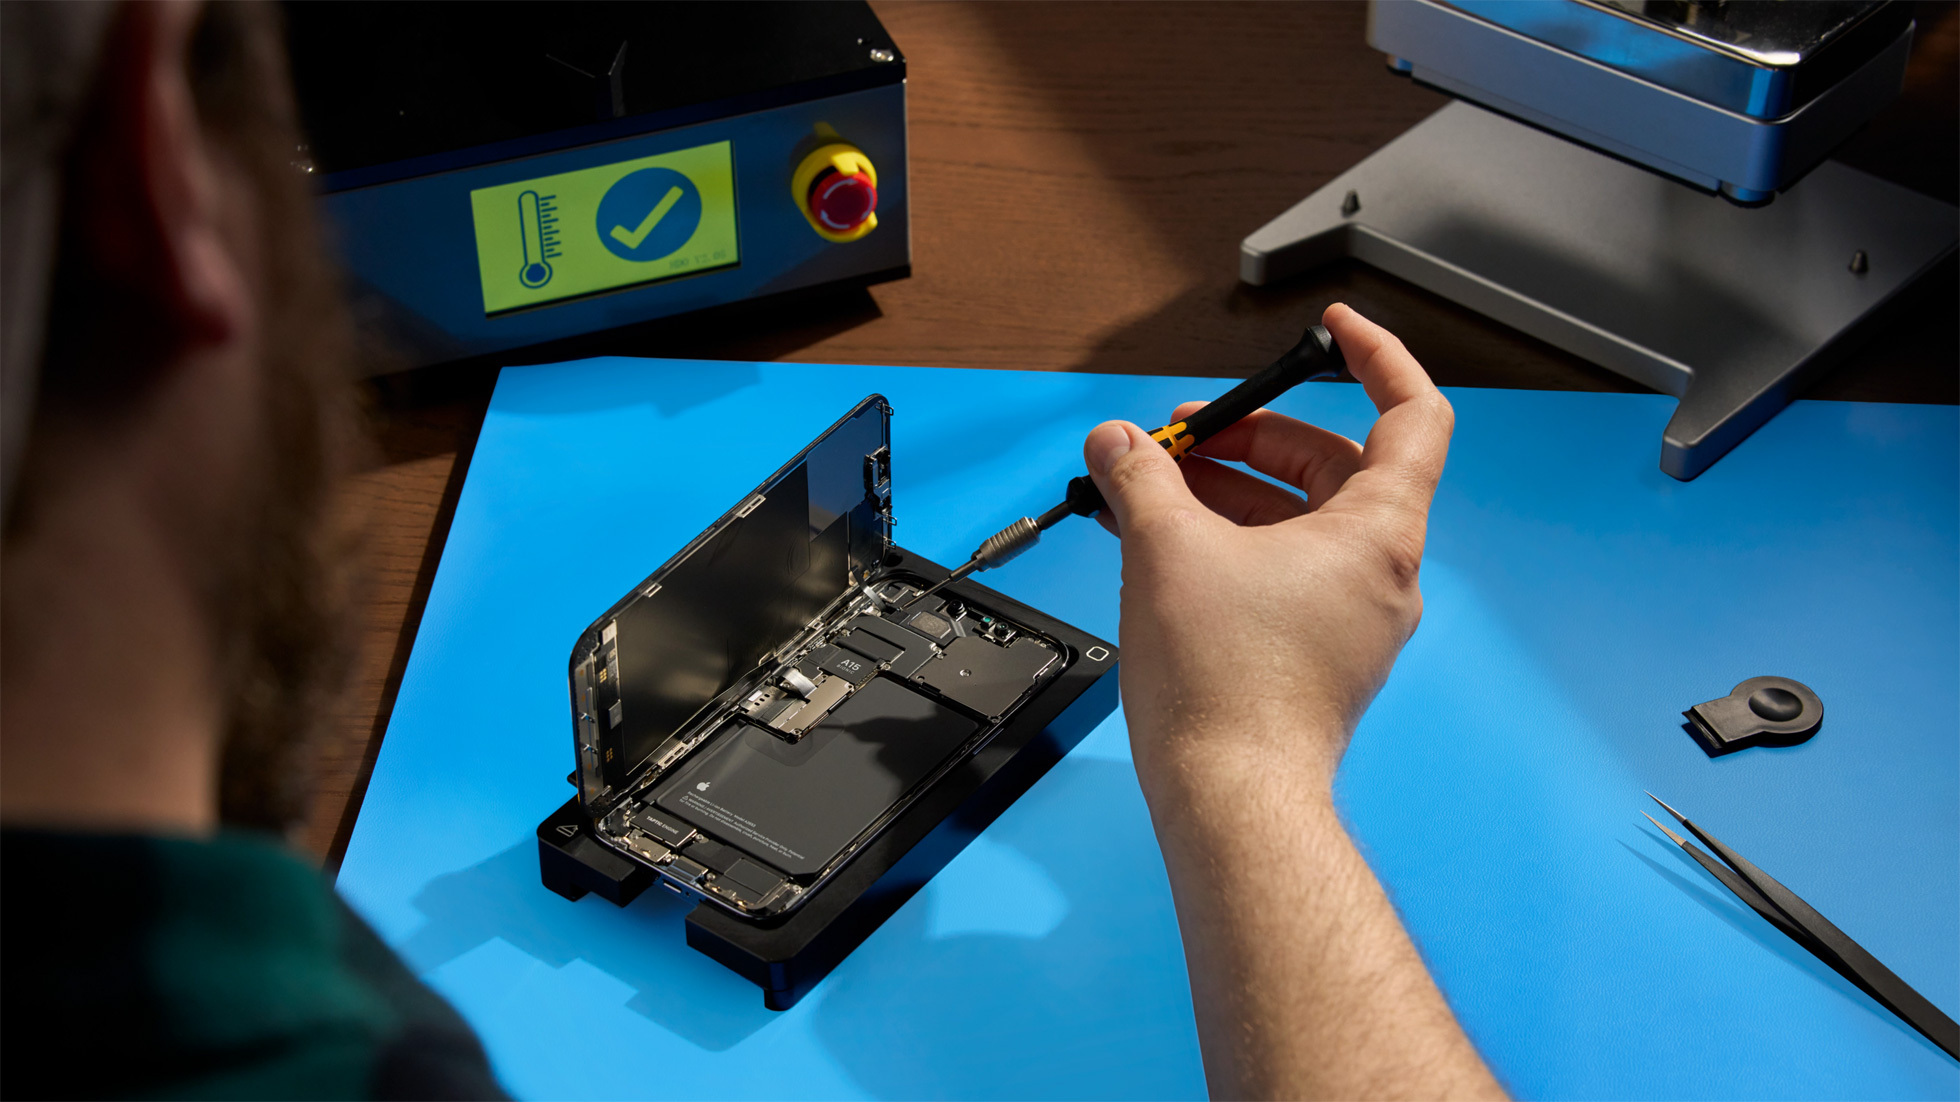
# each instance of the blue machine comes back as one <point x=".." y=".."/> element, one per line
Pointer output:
<point x="1743" y="99"/>
<point x="1605" y="184"/>
<point x="506" y="175"/>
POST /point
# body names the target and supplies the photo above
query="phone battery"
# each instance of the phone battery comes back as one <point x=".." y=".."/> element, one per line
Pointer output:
<point x="795" y="806"/>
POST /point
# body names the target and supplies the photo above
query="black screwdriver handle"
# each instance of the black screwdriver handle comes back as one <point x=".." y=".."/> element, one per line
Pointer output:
<point x="1315" y="357"/>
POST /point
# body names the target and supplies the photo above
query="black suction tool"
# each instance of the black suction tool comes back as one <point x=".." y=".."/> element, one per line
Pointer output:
<point x="1762" y="711"/>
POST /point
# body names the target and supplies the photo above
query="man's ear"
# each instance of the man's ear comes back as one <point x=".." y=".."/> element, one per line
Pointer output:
<point x="151" y="199"/>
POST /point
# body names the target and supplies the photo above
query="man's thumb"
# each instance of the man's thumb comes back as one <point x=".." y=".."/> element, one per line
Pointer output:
<point x="1134" y="473"/>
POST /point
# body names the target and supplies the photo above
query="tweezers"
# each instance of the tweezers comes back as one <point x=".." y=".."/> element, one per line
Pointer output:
<point x="1781" y="907"/>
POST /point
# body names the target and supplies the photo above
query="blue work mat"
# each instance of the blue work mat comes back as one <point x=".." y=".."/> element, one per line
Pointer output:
<point x="1577" y="600"/>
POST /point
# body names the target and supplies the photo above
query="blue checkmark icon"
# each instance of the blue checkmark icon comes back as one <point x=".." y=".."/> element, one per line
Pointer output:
<point x="647" y="215"/>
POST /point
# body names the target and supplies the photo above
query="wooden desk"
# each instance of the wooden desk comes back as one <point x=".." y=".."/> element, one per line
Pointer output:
<point x="1081" y="177"/>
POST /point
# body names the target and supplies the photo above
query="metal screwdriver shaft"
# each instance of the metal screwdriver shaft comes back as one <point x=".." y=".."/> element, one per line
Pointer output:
<point x="1315" y="357"/>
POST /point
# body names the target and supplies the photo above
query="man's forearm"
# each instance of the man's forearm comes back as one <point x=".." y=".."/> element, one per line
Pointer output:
<point x="1304" y="982"/>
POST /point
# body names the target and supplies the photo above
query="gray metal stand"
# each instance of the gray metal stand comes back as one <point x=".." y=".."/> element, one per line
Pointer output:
<point x="1729" y="309"/>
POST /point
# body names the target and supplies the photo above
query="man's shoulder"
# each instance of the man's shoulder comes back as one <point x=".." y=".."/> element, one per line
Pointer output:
<point x="222" y="967"/>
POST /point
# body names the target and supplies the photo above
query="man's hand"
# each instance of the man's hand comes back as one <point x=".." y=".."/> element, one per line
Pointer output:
<point x="1257" y="625"/>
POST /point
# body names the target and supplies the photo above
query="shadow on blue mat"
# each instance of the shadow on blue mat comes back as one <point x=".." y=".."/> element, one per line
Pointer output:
<point x="1073" y="1013"/>
<point x="1720" y="903"/>
<point x="644" y="945"/>
<point x="910" y="1014"/>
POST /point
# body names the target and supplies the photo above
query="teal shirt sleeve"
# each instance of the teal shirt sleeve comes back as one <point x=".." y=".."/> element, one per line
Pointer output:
<point x="139" y="966"/>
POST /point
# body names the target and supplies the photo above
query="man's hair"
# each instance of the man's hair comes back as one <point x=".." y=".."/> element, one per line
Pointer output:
<point x="272" y="582"/>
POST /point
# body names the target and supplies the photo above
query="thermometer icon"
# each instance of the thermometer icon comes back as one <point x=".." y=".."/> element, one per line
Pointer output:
<point x="537" y="222"/>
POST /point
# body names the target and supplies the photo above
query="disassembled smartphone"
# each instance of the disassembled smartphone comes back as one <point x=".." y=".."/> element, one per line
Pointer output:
<point x="772" y="722"/>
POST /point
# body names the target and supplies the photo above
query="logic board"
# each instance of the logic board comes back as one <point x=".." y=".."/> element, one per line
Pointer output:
<point x="757" y="803"/>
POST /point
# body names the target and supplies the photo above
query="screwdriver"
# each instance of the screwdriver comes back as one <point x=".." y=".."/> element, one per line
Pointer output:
<point x="1315" y="357"/>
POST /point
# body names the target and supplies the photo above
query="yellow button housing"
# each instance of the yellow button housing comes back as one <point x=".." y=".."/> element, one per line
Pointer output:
<point x="843" y="158"/>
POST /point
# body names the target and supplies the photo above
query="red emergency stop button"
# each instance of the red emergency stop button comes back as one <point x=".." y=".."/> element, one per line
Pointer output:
<point x="842" y="201"/>
<point x="836" y="188"/>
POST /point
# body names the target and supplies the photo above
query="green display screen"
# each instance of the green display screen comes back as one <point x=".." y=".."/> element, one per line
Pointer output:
<point x="596" y="229"/>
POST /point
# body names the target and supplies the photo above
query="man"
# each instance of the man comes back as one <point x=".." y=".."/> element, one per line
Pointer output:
<point x="167" y="596"/>
<point x="173" y="415"/>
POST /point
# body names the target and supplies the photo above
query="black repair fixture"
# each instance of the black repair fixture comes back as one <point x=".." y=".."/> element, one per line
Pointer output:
<point x="781" y="723"/>
<point x="504" y="175"/>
